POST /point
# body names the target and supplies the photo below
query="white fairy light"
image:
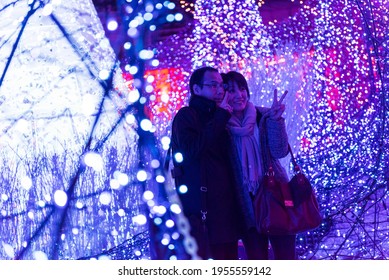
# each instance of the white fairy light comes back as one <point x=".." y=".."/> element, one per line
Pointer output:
<point x="123" y="179"/>
<point x="183" y="189"/>
<point x="105" y="198"/>
<point x="60" y="198"/>
<point x="160" y="179"/>
<point x="114" y="184"/>
<point x="94" y="160"/>
<point x="141" y="175"/>
<point x="155" y="163"/>
<point x="121" y="212"/>
<point x="112" y="25"/>
<point x="130" y="119"/>
<point x="26" y="182"/>
<point x="39" y="255"/>
<point x="146" y="124"/>
<point x="175" y="208"/>
<point x="146" y="54"/>
<point x="169" y="223"/>
<point x="47" y="9"/>
<point x="104" y="74"/>
<point x="9" y="250"/>
<point x="178" y="157"/>
<point x="148" y="195"/>
<point x="139" y="220"/>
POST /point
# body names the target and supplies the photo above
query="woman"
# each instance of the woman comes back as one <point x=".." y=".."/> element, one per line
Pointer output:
<point x="258" y="135"/>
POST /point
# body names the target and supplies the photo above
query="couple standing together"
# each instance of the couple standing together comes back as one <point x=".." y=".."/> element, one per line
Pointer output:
<point x="222" y="136"/>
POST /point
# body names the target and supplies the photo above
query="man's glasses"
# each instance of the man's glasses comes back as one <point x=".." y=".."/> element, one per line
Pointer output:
<point x="214" y="86"/>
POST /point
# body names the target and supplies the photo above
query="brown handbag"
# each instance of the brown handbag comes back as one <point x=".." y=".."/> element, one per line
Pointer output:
<point x="286" y="208"/>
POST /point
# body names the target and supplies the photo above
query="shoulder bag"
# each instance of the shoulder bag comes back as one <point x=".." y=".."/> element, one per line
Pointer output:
<point x="285" y="208"/>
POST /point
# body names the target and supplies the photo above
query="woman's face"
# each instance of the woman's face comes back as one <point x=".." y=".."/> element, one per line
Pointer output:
<point x="238" y="97"/>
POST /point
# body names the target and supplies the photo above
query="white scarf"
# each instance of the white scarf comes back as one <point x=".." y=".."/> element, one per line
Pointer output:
<point x="247" y="146"/>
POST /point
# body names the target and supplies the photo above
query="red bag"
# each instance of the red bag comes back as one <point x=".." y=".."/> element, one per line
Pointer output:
<point x="289" y="208"/>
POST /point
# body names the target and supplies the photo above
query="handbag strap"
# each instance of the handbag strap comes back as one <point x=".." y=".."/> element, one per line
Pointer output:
<point x="296" y="167"/>
<point x="284" y="188"/>
<point x="267" y="158"/>
<point x="268" y="168"/>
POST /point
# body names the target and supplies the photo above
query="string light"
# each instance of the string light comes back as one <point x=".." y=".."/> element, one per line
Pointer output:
<point x="332" y="59"/>
<point x="330" y="56"/>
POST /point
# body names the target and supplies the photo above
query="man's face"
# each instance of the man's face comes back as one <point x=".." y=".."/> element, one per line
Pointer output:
<point x="212" y="87"/>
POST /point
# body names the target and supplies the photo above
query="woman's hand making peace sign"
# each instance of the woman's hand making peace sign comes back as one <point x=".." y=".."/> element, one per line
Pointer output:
<point x="277" y="108"/>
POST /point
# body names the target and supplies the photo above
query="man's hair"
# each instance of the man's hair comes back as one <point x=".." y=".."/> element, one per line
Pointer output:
<point x="240" y="80"/>
<point x="197" y="77"/>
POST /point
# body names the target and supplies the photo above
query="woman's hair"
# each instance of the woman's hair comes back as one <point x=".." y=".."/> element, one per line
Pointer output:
<point x="240" y="80"/>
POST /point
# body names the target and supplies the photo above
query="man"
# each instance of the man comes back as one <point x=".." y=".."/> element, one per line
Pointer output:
<point x="199" y="135"/>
